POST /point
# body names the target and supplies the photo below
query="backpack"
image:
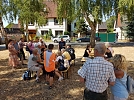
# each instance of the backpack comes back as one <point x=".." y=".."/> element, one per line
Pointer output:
<point x="26" y="75"/>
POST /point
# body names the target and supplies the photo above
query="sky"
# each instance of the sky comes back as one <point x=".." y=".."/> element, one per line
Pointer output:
<point x="6" y="22"/>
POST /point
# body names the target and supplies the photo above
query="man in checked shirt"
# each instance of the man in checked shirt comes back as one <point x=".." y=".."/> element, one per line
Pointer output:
<point x="97" y="74"/>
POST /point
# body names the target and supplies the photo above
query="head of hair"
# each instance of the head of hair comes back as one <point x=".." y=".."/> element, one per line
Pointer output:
<point x="107" y="44"/>
<point x="59" y="53"/>
<point x="21" y="38"/>
<point x="35" y="50"/>
<point x="10" y="40"/>
<point x="119" y="62"/>
<point x="62" y="50"/>
<point x="69" y="45"/>
<point x="50" y="46"/>
<point x="101" y="48"/>
<point x="88" y="45"/>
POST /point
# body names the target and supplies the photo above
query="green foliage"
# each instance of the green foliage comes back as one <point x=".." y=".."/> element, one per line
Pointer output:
<point x="50" y="32"/>
<point x="92" y="10"/>
<point x="66" y="33"/>
<point x="130" y="28"/>
<point x="126" y="7"/>
<point x="81" y="26"/>
<point x="110" y="23"/>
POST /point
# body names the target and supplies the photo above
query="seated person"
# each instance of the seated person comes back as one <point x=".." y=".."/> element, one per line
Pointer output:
<point x="62" y="63"/>
<point x="66" y="55"/>
<point x="109" y="51"/>
<point x="71" y="51"/>
<point x="87" y="51"/>
<point x="33" y="63"/>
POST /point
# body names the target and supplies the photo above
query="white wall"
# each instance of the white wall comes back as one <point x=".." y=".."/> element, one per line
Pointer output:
<point x="51" y="26"/>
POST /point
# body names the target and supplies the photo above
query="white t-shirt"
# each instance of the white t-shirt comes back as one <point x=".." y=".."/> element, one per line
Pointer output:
<point x="59" y="57"/>
<point x="66" y="63"/>
<point x="36" y="46"/>
<point x="31" y="62"/>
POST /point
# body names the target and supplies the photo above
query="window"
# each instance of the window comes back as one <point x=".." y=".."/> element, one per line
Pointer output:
<point x="44" y="32"/>
<point x="74" y="25"/>
<point x="56" y="22"/>
<point x="57" y="33"/>
<point x="31" y="24"/>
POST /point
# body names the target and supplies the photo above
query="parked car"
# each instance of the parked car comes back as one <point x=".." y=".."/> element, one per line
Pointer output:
<point x="65" y="38"/>
<point x="87" y="39"/>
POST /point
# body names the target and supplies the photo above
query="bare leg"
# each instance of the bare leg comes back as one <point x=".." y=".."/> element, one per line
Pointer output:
<point x="38" y="73"/>
<point x="50" y="81"/>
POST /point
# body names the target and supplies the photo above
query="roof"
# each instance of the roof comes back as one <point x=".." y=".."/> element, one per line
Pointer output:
<point x="12" y="25"/>
<point x="51" y="8"/>
<point x="103" y="25"/>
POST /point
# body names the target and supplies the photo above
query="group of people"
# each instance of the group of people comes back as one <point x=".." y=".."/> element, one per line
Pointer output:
<point x="100" y="72"/>
<point x="42" y="58"/>
<point x="53" y="63"/>
<point x="97" y="73"/>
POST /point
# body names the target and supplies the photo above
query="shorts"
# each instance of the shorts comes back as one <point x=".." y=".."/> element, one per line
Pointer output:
<point x="62" y="68"/>
<point x="89" y="95"/>
<point x="35" y="67"/>
<point x="51" y="74"/>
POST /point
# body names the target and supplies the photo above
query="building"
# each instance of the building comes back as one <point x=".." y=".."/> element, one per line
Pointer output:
<point x="14" y="31"/>
<point x="120" y="26"/>
<point x="52" y="23"/>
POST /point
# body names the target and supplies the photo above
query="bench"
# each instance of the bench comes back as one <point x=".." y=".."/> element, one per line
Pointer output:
<point x="65" y="72"/>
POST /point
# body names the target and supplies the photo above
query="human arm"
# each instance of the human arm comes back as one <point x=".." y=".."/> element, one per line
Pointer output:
<point x="83" y="72"/>
<point x="39" y="58"/>
<point x="119" y="73"/>
<point x="112" y="78"/>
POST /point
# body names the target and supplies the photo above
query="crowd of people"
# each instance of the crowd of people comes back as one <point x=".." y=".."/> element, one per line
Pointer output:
<point x="41" y="57"/>
<point x="104" y="70"/>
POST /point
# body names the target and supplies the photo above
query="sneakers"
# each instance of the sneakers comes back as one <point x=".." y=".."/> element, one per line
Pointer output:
<point x="50" y="87"/>
<point x="37" y="80"/>
<point x="60" y="78"/>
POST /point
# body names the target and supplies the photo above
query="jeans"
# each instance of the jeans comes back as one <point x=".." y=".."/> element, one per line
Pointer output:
<point x="89" y="95"/>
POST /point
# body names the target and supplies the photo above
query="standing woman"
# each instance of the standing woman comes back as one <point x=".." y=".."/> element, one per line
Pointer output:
<point x="87" y="51"/>
<point x="13" y="58"/>
<point x="119" y="90"/>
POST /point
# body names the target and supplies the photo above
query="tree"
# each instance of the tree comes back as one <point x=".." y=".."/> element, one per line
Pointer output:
<point x="81" y="26"/>
<point x="126" y="7"/>
<point x="110" y="23"/>
<point x="130" y="28"/>
<point x="92" y="10"/>
<point x="31" y="11"/>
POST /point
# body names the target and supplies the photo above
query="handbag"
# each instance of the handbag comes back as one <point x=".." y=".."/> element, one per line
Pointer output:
<point x="129" y="84"/>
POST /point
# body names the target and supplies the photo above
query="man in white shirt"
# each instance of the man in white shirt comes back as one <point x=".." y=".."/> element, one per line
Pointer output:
<point x="33" y="63"/>
<point x="97" y="73"/>
<point x="38" y="45"/>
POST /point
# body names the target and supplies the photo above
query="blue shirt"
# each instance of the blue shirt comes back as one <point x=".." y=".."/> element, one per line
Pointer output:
<point x="16" y="46"/>
<point x="119" y="90"/>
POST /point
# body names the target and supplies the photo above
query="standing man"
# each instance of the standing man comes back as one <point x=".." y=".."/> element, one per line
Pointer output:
<point x="97" y="73"/>
<point x="49" y="64"/>
<point x="62" y="44"/>
<point x="22" y="44"/>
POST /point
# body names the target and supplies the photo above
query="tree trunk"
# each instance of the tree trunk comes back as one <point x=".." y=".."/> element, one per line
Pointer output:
<point x="3" y="33"/>
<point x="27" y="33"/>
<point x="92" y="38"/>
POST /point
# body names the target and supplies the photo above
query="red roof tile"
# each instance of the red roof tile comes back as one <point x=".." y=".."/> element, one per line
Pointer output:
<point x="51" y="8"/>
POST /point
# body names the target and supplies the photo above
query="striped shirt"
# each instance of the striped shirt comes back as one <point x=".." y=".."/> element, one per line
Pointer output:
<point x="97" y="72"/>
